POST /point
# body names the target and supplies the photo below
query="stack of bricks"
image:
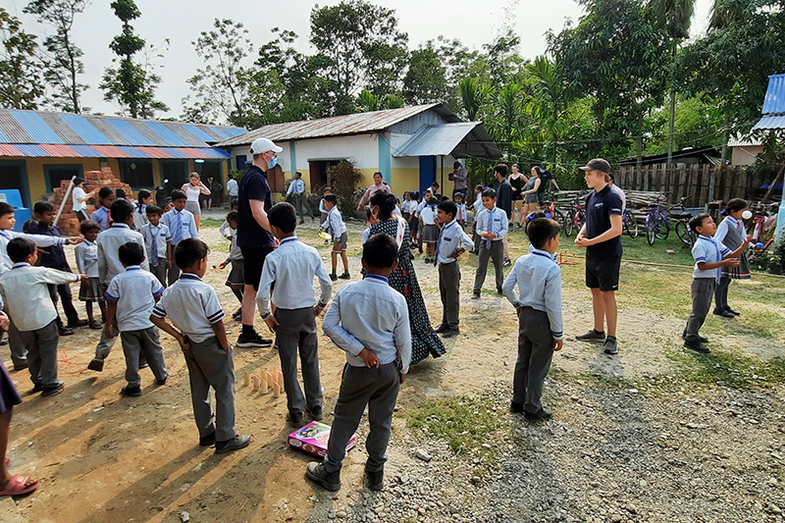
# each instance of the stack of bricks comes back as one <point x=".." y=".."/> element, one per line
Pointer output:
<point x="69" y="223"/>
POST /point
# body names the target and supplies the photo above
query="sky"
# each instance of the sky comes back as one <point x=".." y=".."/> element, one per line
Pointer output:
<point x="181" y="21"/>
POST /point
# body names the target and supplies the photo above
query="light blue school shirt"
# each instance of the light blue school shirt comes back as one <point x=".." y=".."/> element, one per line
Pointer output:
<point x="450" y="238"/>
<point x="296" y="187"/>
<point x="101" y="217"/>
<point x="181" y="225"/>
<point x="370" y="314"/>
<point x="337" y="227"/>
<point x="109" y="242"/>
<point x="134" y="290"/>
<point x="192" y="306"/>
<point x="157" y="235"/>
<point x="708" y="250"/>
<point x="493" y="220"/>
<point x="538" y="278"/>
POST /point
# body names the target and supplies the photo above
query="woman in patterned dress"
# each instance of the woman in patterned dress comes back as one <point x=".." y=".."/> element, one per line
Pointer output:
<point x="425" y="341"/>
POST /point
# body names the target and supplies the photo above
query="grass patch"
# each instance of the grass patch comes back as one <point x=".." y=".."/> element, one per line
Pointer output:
<point x="210" y="222"/>
<point x="728" y="368"/>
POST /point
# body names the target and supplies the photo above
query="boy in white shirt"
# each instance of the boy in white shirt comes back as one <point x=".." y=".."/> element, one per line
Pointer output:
<point x="492" y="227"/>
<point x="131" y="296"/>
<point x="340" y="236"/>
<point x="181" y="225"/>
<point x="430" y="232"/>
<point x="86" y="254"/>
<point x="157" y="238"/>
<point x="451" y="244"/>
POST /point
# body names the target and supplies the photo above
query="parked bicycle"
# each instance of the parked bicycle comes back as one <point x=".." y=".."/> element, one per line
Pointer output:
<point x="681" y="223"/>
<point x="629" y="224"/>
<point x="575" y="218"/>
<point x="657" y="225"/>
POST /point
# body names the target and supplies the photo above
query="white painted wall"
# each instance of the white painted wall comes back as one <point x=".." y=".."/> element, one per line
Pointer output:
<point x="362" y="149"/>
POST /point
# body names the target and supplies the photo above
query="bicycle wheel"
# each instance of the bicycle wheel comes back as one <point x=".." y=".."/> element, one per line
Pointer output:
<point x="631" y="224"/>
<point x="651" y="228"/>
<point x="682" y="231"/>
<point x="569" y="224"/>
<point x="663" y="228"/>
<point x="580" y="219"/>
<point x="559" y="218"/>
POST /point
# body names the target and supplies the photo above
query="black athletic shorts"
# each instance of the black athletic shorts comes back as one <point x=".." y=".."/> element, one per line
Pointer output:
<point x="253" y="258"/>
<point x="603" y="273"/>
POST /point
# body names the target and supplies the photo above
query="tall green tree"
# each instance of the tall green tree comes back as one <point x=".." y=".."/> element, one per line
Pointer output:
<point x="62" y="62"/>
<point x="473" y="96"/>
<point x="426" y="79"/>
<point x="20" y="74"/>
<point x="132" y="85"/>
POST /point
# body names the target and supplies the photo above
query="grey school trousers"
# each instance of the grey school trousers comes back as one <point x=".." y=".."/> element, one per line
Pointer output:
<point x="41" y="348"/>
<point x="361" y="386"/>
<point x="18" y="350"/>
<point x="295" y="333"/>
<point x="146" y="342"/>
<point x="173" y="271"/>
<point x="159" y="271"/>
<point x="450" y="292"/>
<point x="702" y="295"/>
<point x="300" y="202"/>
<point x="496" y="253"/>
<point x="721" y="294"/>
<point x="535" y="351"/>
<point x="211" y="366"/>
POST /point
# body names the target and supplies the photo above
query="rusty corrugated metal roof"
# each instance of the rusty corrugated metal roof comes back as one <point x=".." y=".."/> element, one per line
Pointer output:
<point x="59" y="151"/>
<point x="12" y="131"/>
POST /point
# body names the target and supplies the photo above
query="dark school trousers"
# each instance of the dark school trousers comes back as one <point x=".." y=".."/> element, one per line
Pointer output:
<point x="18" y="350"/>
<point x="702" y="294"/>
<point x="41" y="345"/>
<point x="535" y="351"/>
<point x="450" y="293"/>
<point x="495" y="253"/>
<point x="136" y="343"/>
<point x="159" y="271"/>
<point x="173" y="271"/>
<point x="721" y="294"/>
<point x="361" y="386"/>
<point x="209" y="366"/>
<point x="104" y="347"/>
<point x="295" y="333"/>
<point x="300" y="202"/>
<point x="64" y="291"/>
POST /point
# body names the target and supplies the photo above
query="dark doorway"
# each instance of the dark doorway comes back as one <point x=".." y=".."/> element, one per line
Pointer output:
<point x="57" y="173"/>
<point x="318" y="171"/>
<point x="12" y="177"/>
<point x="137" y="173"/>
<point x="427" y="172"/>
<point x="176" y="172"/>
<point x="213" y="169"/>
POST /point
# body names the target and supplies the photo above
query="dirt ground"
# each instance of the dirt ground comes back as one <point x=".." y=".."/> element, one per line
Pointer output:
<point x="104" y="458"/>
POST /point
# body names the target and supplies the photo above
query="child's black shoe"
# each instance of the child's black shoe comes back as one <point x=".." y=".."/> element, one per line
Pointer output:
<point x="375" y="479"/>
<point x="541" y="415"/>
<point x="516" y="408"/>
<point x="133" y="392"/>
<point x="316" y="472"/>
<point x="208" y="440"/>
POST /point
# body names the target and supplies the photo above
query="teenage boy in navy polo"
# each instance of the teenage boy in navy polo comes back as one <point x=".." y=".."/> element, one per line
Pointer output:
<point x="451" y="244"/>
<point x="130" y="298"/>
<point x="198" y="317"/>
<point x="289" y="270"/>
<point x="181" y="225"/>
<point x="492" y="227"/>
<point x="539" y="310"/>
<point x="370" y="321"/>
<point x="601" y="237"/>
<point x="254" y="236"/>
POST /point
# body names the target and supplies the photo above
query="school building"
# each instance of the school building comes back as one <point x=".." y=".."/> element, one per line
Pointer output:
<point x="38" y="149"/>
<point x="412" y="147"/>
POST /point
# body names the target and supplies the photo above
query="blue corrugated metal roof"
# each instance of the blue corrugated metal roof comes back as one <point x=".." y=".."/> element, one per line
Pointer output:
<point x="36" y="127"/>
<point x="167" y="134"/>
<point x="31" y="150"/>
<point x="133" y="152"/>
<point x="125" y="128"/>
<point x="3" y="139"/>
<point x="86" y="151"/>
<point x="221" y="132"/>
<point x="770" y="122"/>
<point x="177" y="154"/>
<point x="199" y="133"/>
<point x="84" y="129"/>
<point x="215" y="153"/>
<point x="774" y="103"/>
<point x="438" y="140"/>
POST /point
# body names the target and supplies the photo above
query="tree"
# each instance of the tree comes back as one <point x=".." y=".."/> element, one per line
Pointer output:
<point x="426" y="79"/>
<point x="221" y="88"/>
<point x="363" y="47"/>
<point x="367" y="101"/>
<point x="20" y="74"/>
<point x="473" y="96"/>
<point x="63" y="63"/>
<point x="132" y="85"/>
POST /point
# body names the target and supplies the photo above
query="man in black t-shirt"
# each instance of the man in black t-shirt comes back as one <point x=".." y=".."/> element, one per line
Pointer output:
<point x="601" y="237"/>
<point x="253" y="231"/>
<point x="504" y="202"/>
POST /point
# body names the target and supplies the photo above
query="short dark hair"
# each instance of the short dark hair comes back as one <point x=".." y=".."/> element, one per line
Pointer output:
<point x="435" y="184"/>
<point x="190" y="251"/>
<point x="449" y="207"/>
<point x="232" y="216"/>
<point x="131" y="253"/>
<point x="541" y="230"/>
<point x="120" y="210"/>
<point x="6" y="208"/>
<point x="331" y="198"/>
<point x="178" y="194"/>
<point x="78" y="181"/>
<point x="105" y="192"/>
<point x="697" y="221"/>
<point x="489" y="193"/>
<point x="42" y="207"/>
<point x="283" y="216"/>
<point x="153" y="209"/>
<point x="380" y="251"/>
<point x="432" y="200"/>
<point x="736" y="204"/>
<point x="478" y="187"/>
<point x="87" y="226"/>
<point x="120" y="193"/>
<point x="19" y="249"/>
<point x="328" y="188"/>
<point x="235" y="203"/>
<point x="501" y="169"/>
<point x="456" y="165"/>
<point x="298" y="172"/>
<point x="142" y="194"/>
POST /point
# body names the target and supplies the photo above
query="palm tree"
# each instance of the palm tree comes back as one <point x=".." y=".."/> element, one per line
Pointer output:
<point x="473" y="96"/>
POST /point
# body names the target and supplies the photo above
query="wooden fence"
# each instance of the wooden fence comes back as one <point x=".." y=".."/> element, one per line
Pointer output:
<point x="702" y="183"/>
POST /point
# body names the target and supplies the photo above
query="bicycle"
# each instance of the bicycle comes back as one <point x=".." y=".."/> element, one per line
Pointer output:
<point x="551" y="212"/>
<point x="629" y="224"/>
<point x="657" y="225"/>
<point x="681" y="223"/>
<point x="574" y="219"/>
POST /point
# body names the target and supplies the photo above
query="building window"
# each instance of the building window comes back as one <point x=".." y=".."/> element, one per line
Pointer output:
<point x="137" y="173"/>
<point x="57" y="173"/>
<point x="240" y="162"/>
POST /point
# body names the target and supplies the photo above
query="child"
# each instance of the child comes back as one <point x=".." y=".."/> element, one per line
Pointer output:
<point x="430" y="233"/>
<point x="460" y="214"/>
<point x="477" y="208"/>
<point x="225" y="230"/>
<point x="408" y="206"/>
<point x="54" y="258"/>
<point x="100" y="216"/>
<point x="156" y="241"/>
<point x="86" y="254"/>
<point x="109" y="265"/>
<point x="194" y="309"/>
<point x="289" y="271"/>
<point x="730" y="233"/>
<point x="370" y="321"/>
<point x="492" y="227"/>
<point x="414" y="221"/>
<point x="24" y="290"/>
<point x="120" y="193"/>
<point x="710" y="256"/>
<point x="427" y="195"/>
<point x="323" y="210"/>
<point x="450" y="246"/>
<point x="131" y="297"/>
<point x="236" y="279"/>
<point x="370" y="220"/>
<point x="79" y="199"/>
<point x="181" y="226"/>
<point x="340" y="237"/>
<point x="539" y="311"/>
<point x="144" y="198"/>
<point x="166" y="205"/>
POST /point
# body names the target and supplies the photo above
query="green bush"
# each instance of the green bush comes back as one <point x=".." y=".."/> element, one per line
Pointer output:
<point x="345" y="181"/>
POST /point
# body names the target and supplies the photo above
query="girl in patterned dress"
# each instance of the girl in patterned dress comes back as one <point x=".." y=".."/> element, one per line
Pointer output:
<point x="731" y="234"/>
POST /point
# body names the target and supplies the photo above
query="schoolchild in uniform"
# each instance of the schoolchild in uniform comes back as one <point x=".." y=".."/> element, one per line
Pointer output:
<point x="130" y="297"/>
<point x="143" y="199"/>
<point x="182" y="225"/>
<point x="451" y="244"/>
<point x="492" y="227"/>
<point x="539" y="310"/>
<point x="430" y="231"/>
<point x="86" y="254"/>
<point x="477" y="208"/>
<point x="323" y="210"/>
<point x="101" y="216"/>
<point x="236" y="279"/>
<point x="460" y="209"/>
<point x="370" y="321"/>
<point x="197" y="317"/>
<point x="156" y="241"/>
<point x="731" y="234"/>
<point x="289" y="271"/>
<point x="340" y="237"/>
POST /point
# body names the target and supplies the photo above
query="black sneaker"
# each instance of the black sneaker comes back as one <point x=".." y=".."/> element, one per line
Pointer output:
<point x="441" y="328"/>
<point x="723" y="313"/>
<point x="451" y="333"/>
<point x="610" y="346"/>
<point x="735" y="313"/>
<point x="698" y="348"/>
<point x="295" y="419"/>
<point x="133" y="392"/>
<point x="52" y="391"/>
<point x="375" y="479"/>
<point x="516" y="408"/>
<point x="315" y="471"/>
<point x="78" y="323"/>
<point x="345" y="276"/>
<point x="315" y="413"/>
<point x="592" y="335"/>
<point x="208" y="440"/>
<point x="541" y="415"/>
<point x="703" y="339"/>
<point x="476" y="296"/>
<point x="252" y="340"/>
<point x="333" y="277"/>
<point x="96" y="364"/>
<point x="37" y="387"/>
<point x="236" y="443"/>
<point x="506" y="263"/>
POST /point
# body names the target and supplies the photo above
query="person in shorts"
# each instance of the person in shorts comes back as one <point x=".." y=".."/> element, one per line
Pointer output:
<point x="340" y="237"/>
<point x="601" y="237"/>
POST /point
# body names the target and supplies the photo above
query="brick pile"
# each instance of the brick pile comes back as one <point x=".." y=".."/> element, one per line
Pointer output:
<point x="69" y="223"/>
